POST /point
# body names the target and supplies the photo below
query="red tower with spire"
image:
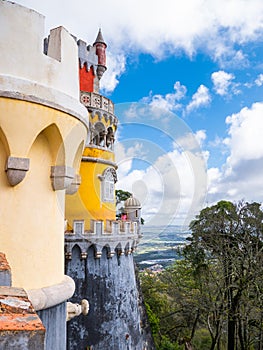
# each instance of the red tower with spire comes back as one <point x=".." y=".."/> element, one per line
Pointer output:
<point x="92" y="63"/>
<point x="100" y="46"/>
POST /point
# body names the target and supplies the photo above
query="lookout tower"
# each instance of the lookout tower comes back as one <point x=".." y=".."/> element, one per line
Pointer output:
<point x="132" y="208"/>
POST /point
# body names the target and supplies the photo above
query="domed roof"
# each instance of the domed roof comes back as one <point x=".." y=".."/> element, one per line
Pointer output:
<point x="132" y="203"/>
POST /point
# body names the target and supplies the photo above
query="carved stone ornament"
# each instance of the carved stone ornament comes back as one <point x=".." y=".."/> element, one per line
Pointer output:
<point x="74" y="310"/>
<point x="16" y="169"/>
<point x="61" y="177"/>
<point x="74" y="186"/>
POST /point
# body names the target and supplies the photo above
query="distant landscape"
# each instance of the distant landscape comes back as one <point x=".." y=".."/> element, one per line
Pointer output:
<point x="158" y="246"/>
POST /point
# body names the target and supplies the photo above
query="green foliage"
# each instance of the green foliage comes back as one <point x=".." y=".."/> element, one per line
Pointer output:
<point x="166" y="344"/>
<point x="121" y="196"/>
<point x="213" y="298"/>
<point x="153" y="320"/>
<point x="202" y="339"/>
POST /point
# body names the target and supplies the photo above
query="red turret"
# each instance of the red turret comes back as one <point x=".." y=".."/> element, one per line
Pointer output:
<point x="92" y="63"/>
<point x="100" y="46"/>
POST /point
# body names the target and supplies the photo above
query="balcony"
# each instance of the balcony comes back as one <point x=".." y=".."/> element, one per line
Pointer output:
<point x="99" y="105"/>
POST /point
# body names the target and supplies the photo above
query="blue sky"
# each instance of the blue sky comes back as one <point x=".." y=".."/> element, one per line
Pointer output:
<point x="187" y="81"/>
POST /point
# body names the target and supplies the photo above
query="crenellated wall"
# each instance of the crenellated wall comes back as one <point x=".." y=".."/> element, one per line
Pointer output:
<point x="120" y="236"/>
<point x="101" y="264"/>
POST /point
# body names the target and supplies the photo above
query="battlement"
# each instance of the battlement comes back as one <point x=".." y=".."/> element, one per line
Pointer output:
<point x="26" y="72"/>
<point x="87" y="56"/>
<point x="119" y="237"/>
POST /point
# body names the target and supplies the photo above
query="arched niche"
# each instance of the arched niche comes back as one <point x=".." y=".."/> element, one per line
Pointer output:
<point x="110" y="138"/>
<point x="55" y="142"/>
<point x="4" y="153"/>
<point x="74" y="186"/>
<point x="4" y="142"/>
<point x="98" y="135"/>
<point x="78" y="155"/>
<point x="76" y="252"/>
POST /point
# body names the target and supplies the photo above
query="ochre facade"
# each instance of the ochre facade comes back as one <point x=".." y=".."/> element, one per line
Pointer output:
<point x="46" y="137"/>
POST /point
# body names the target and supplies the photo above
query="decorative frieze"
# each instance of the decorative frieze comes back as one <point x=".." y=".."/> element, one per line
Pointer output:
<point x="99" y="105"/>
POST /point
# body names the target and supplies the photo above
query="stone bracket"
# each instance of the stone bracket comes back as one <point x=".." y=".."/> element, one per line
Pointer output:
<point x="74" y="186"/>
<point x="61" y="177"/>
<point x="16" y="169"/>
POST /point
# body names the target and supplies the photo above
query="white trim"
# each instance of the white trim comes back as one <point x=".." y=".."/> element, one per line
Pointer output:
<point x="46" y="297"/>
<point x="27" y="90"/>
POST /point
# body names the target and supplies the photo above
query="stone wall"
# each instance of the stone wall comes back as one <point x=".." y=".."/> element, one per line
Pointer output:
<point x="109" y="284"/>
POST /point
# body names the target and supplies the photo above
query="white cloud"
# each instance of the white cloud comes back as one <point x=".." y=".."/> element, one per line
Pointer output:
<point x="200" y="136"/>
<point x="201" y="98"/>
<point x="222" y="82"/>
<point x="259" y="80"/>
<point x="172" y="186"/>
<point x="245" y="134"/>
<point x="135" y="26"/>
<point x="169" y="101"/>
<point x="241" y="175"/>
<point x="116" y="67"/>
<point x="124" y="155"/>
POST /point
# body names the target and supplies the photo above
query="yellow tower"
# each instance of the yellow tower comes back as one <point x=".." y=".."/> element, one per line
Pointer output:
<point x="95" y="200"/>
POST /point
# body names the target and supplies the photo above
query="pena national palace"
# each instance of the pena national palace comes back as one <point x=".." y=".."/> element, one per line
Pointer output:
<point x="67" y="277"/>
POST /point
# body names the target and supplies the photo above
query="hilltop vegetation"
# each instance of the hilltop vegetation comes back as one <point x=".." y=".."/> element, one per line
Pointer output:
<point x="213" y="297"/>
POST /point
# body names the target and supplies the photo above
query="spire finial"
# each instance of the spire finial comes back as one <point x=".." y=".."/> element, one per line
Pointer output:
<point x="99" y="39"/>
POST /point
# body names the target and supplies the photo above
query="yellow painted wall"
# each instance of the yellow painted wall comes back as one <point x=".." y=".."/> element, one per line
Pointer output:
<point x="86" y="204"/>
<point x="32" y="213"/>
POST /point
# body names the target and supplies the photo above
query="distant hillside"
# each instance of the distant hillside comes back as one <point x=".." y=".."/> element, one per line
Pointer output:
<point x="159" y="244"/>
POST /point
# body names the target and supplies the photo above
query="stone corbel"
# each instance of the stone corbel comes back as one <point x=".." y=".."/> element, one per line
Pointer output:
<point x="16" y="169"/>
<point x="74" y="310"/>
<point x="61" y="177"/>
<point x="74" y="186"/>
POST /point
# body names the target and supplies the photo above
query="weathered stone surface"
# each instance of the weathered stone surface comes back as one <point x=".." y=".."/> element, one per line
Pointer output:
<point x="74" y="186"/>
<point x="54" y="319"/>
<point x="16" y="169"/>
<point x="61" y="177"/>
<point x="109" y="284"/>
<point x="20" y="326"/>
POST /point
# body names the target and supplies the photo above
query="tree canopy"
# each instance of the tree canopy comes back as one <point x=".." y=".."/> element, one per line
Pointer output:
<point x="213" y="297"/>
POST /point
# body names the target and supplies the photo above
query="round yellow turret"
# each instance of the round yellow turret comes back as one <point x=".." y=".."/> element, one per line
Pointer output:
<point x="95" y="199"/>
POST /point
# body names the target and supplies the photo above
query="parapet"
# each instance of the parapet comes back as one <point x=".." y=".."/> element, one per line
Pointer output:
<point x="26" y="72"/>
<point x="87" y="55"/>
<point x="121" y="237"/>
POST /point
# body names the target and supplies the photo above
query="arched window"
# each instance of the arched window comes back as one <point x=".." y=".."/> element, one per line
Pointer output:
<point x="108" y="180"/>
<point x="110" y="138"/>
<point x="98" y="137"/>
